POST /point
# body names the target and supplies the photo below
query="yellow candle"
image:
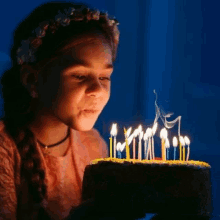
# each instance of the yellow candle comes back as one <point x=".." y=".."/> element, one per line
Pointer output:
<point x="127" y="147"/>
<point x="134" y="148"/>
<point x="184" y="153"/>
<point x="163" y="150"/>
<point x="180" y="151"/>
<point x="110" y="147"/>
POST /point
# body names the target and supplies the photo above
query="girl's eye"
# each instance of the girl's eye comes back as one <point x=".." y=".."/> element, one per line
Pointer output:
<point x="83" y="77"/>
<point x="79" y="77"/>
<point x="105" y="78"/>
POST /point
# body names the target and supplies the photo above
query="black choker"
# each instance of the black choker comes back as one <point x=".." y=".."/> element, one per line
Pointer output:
<point x="53" y="145"/>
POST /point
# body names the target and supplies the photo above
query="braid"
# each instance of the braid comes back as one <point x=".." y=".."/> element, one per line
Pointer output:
<point x="30" y="168"/>
<point x="16" y="124"/>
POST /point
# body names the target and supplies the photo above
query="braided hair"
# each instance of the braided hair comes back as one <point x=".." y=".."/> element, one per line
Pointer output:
<point x="37" y="38"/>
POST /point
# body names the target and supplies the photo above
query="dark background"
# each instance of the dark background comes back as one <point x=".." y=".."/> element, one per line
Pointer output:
<point x="168" y="45"/>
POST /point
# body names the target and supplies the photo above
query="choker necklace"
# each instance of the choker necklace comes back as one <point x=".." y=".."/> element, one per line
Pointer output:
<point x="53" y="145"/>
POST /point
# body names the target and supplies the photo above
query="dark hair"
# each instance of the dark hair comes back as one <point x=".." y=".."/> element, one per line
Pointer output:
<point x="18" y="103"/>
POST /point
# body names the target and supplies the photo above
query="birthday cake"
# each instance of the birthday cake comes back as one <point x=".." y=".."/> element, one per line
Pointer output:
<point x="136" y="187"/>
<point x="170" y="185"/>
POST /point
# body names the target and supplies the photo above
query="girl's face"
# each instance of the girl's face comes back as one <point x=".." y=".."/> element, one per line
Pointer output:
<point x="77" y="87"/>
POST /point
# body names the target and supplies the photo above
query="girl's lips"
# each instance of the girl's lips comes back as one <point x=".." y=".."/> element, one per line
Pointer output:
<point x="89" y="111"/>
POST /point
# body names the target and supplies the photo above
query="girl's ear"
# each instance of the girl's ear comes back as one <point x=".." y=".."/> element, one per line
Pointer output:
<point x="29" y="79"/>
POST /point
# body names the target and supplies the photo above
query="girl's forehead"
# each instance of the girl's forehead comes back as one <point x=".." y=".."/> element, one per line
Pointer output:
<point x="84" y="48"/>
<point x="95" y="38"/>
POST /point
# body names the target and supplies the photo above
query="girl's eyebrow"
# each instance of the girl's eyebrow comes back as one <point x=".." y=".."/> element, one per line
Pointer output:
<point x="80" y="63"/>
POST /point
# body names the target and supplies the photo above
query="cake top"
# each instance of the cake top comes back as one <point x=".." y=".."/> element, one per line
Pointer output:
<point x="190" y="163"/>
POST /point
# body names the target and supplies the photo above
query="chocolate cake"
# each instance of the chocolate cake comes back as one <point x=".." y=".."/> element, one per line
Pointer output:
<point x="137" y="187"/>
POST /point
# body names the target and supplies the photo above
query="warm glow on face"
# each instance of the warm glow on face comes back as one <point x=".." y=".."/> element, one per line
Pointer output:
<point x="79" y="84"/>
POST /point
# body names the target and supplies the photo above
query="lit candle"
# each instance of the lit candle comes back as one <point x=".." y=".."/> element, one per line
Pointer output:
<point x="187" y="141"/>
<point x="184" y="149"/>
<point x="110" y="146"/>
<point x="123" y="147"/>
<point x="119" y="149"/>
<point x="127" y="133"/>
<point x="145" y="145"/>
<point x="129" y="140"/>
<point x="134" y="143"/>
<point x="114" y="133"/>
<point x="180" y="143"/>
<point x="175" y="144"/>
<point x="167" y="145"/>
<point x="140" y="145"/>
<point x="149" y="133"/>
<point x="163" y="136"/>
<point x="154" y="129"/>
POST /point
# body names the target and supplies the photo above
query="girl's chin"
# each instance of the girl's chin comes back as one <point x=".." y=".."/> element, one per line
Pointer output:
<point x="84" y="124"/>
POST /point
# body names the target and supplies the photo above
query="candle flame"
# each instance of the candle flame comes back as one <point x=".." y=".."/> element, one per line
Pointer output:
<point x="135" y="133"/>
<point x="130" y="139"/>
<point x="123" y="146"/>
<point x="145" y="136"/>
<point x="175" y="142"/>
<point x="167" y="143"/>
<point x="187" y="141"/>
<point x="149" y="132"/>
<point x="154" y="129"/>
<point x="118" y="146"/>
<point x="163" y="133"/>
<point x="139" y="129"/>
<point x="141" y="135"/>
<point x="129" y="131"/>
<point x="114" y="130"/>
<point x="182" y="141"/>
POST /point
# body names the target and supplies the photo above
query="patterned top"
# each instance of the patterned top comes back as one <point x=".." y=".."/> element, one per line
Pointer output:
<point x="64" y="174"/>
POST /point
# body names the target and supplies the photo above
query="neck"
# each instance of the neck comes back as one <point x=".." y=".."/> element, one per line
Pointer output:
<point x="48" y="129"/>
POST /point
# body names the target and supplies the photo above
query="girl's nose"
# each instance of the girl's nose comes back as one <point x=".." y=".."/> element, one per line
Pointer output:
<point x="95" y="87"/>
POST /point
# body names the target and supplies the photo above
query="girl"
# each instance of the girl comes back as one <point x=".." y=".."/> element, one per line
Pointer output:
<point x="59" y="83"/>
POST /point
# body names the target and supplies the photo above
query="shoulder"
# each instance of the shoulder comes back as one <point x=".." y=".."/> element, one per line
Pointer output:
<point x="8" y="147"/>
